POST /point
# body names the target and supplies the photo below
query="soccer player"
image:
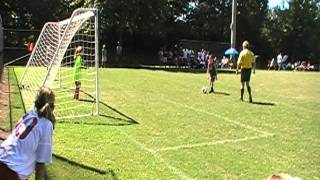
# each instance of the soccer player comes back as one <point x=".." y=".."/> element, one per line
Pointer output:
<point x="246" y="62"/>
<point x="212" y="72"/>
<point x="29" y="147"/>
<point x="118" y="51"/>
<point x="76" y="70"/>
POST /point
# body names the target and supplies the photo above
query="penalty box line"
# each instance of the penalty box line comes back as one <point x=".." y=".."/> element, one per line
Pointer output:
<point x="225" y="141"/>
<point x="142" y="146"/>
<point x="222" y="117"/>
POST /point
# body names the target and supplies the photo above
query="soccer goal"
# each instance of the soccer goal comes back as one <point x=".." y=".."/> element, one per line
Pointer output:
<point x="53" y="63"/>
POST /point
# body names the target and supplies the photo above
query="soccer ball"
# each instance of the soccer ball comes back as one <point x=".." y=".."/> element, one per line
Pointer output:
<point x="204" y="90"/>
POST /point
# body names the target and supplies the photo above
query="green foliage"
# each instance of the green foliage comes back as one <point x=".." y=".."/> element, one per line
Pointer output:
<point x="250" y="21"/>
<point x="296" y="30"/>
<point x="144" y="25"/>
<point x="210" y="20"/>
<point x="15" y="106"/>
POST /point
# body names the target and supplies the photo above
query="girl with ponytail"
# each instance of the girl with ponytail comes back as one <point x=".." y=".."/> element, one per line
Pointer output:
<point x="29" y="146"/>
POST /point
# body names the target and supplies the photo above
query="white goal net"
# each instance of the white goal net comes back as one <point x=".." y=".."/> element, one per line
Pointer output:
<point x="65" y="58"/>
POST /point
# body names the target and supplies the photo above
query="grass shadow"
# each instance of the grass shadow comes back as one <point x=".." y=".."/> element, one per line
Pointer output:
<point x="126" y="117"/>
<point x="64" y="168"/>
<point x="264" y="103"/>
<point x="222" y="93"/>
<point x="105" y="117"/>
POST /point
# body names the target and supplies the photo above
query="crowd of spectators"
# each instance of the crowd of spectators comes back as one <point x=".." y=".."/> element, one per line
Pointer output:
<point x="282" y="63"/>
<point x="183" y="57"/>
<point x="192" y="59"/>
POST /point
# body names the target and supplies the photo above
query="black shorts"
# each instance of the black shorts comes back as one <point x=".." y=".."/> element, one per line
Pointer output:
<point x="245" y="74"/>
<point x="7" y="173"/>
<point x="212" y="77"/>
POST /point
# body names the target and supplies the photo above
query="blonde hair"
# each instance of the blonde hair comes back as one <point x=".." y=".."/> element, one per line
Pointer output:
<point x="78" y="50"/>
<point x="45" y="104"/>
<point x="245" y="44"/>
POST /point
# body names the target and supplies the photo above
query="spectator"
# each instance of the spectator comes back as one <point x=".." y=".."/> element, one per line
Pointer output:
<point x="225" y="62"/>
<point x="273" y="64"/>
<point x="185" y="56"/>
<point x="118" y="52"/>
<point x="288" y="66"/>
<point x="203" y="59"/>
<point x="170" y="57"/>
<point x="279" y="60"/>
<point x="176" y="58"/>
<point x="161" y="56"/>
<point x="104" y="56"/>
<point x="309" y="66"/>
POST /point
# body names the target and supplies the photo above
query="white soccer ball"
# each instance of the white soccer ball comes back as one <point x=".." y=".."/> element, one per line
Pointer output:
<point x="204" y="90"/>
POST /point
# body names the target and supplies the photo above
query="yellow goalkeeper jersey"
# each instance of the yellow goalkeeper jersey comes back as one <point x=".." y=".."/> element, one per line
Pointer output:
<point x="77" y="66"/>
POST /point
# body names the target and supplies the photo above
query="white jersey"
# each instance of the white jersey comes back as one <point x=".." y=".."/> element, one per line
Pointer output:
<point x="279" y="59"/>
<point x="30" y="142"/>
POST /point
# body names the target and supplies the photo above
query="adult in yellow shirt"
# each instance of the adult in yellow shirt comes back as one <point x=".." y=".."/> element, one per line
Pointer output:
<point x="246" y="62"/>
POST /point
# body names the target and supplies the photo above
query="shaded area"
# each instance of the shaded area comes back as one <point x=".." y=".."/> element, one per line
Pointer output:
<point x="127" y="118"/>
<point x="73" y="163"/>
<point x="263" y="103"/>
<point x="108" y="116"/>
<point x="222" y="93"/>
<point x="64" y="168"/>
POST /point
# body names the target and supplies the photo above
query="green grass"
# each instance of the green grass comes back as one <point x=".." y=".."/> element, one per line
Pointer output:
<point x="15" y="101"/>
<point x="158" y="125"/>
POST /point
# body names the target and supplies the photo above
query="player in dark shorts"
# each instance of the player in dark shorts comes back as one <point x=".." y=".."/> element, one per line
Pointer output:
<point x="246" y="62"/>
<point x="212" y="72"/>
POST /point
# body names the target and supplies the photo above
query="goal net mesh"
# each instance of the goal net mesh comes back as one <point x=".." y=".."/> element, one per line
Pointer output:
<point x="52" y="64"/>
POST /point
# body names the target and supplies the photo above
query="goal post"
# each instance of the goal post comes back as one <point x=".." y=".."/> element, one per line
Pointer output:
<point x="53" y="64"/>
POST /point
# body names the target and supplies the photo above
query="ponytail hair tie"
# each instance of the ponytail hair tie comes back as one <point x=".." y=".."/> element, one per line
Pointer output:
<point x="44" y="107"/>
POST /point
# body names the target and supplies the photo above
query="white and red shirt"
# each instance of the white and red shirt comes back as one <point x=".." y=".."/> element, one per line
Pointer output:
<point x="30" y="142"/>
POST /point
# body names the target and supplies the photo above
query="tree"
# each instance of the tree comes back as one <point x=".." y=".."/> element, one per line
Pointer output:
<point x="250" y="21"/>
<point x="295" y="30"/>
<point x="210" y="20"/>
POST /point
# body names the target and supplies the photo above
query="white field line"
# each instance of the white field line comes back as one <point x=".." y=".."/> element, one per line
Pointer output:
<point x="225" y="141"/>
<point x="175" y="170"/>
<point x="221" y="117"/>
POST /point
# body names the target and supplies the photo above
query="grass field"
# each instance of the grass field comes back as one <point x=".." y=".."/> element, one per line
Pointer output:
<point x="158" y="125"/>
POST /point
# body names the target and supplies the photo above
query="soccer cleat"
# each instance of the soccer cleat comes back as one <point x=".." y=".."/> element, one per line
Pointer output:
<point x="211" y="90"/>
<point x="250" y="99"/>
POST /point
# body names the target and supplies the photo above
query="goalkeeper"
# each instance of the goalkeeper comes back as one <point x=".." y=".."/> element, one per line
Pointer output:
<point x="77" y="70"/>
